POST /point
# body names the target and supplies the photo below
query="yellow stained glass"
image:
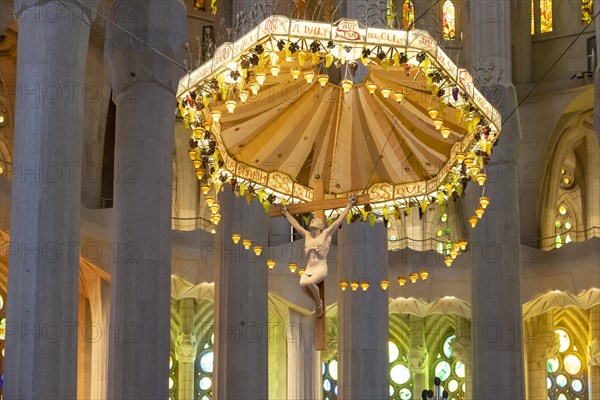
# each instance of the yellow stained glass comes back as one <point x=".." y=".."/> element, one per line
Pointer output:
<point x="545" y="16"/>
<point x="532" y="17"/>
<point x="448" y="20"/>
<point x="408" y="15"/>
<point x="587" y="7"/>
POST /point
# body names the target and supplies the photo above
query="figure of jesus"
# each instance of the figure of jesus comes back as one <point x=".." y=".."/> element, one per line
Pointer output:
<point x="316" y="246"/>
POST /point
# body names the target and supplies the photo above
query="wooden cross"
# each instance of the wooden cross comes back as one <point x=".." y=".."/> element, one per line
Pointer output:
<point x="318" y="207"/>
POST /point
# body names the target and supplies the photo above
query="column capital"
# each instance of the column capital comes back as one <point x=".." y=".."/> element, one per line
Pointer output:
<point x="594" y="352"/>
<point x="185" y="348"/>
<point x="417" y="357"/>
<point x="545" y="347"/>
<point x="74" y="7"/>
<point x="462" y="350"/>
<point x="146" y="43"/>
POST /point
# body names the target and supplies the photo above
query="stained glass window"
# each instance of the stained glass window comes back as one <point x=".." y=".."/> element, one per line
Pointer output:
<point x="545" y="16"/>
<point x="450" y="371"/>
<point x="587" y="7"/>
<point x="172" y="378"/>
<point x="563" y="225"/>
<point x="401" y="384"/>
<point x="408" y="15"/>
<point x="567" y="375"/>
<point x="448" y="20"/>
<point x="532" y="17"/>
<point x="203" y="368"/>
<point x="330" y="376"/>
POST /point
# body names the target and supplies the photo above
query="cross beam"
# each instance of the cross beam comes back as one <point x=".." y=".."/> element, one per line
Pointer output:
<point x="318" y="205"/>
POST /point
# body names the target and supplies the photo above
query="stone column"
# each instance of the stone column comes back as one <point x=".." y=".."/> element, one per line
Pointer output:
<point x="543" y="344"/>
<point x="241" y="289"/>
<point x="521" y="42"/>
<point x="594" y="353"/>
<point x="495" y="242"/>
<point x="303" y="362"/>
<point x="144" y="84"/>
<point x="489" y="22"/>
<point x="462" y="351"/>
<point x="496" y="271"/>
<point x="185" y="350"/>
<point x="417" y="356"/>
<point x="597" y="73"/>
<point x="363" y="316"/>
<point x="41" y="334"/>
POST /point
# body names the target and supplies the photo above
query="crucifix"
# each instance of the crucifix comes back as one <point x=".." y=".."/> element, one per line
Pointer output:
<point x="316" y="245"/>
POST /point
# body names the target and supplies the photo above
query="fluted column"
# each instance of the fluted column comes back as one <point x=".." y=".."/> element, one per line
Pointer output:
<point x="241" y="289"/>
<point x="43" y="280"/>
<point x="498" y="371"/>
<point x="594" y="352"/>
<point x="496" y="271"/>
<point x="521" y="42"/>
<point x="542" y="346"/>
<point x="363" y="316"/>
<point x="303" y="363"/>
<point x="185" y="350"/>
<point x="144" y="85"/>
<point x="417" y="356"/>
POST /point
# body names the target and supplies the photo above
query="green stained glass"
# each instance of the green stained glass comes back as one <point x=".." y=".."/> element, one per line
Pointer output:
<point x="448" y="346"/>
<point x="442" y="370"/>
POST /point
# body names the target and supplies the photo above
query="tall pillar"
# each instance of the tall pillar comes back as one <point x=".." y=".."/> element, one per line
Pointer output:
<point x="495" y="265"/>
<point x="489" y="22"/>
<point x="144" y="84"/>
<point x="521" y="42"/>
<point x="363" y="316"/>
<point x="496" y="270"/>
<point x="303" y="363"/>
<point x="241" y="289"/>
<point x="543" y="346"/>
<point x="461" y="351"/>
<point x="417" y="356"/>
<point x="594" y="353"/>
<point x="597" y="73"/>
<point x="43" y="279"/>
<point x="185" y="350"/>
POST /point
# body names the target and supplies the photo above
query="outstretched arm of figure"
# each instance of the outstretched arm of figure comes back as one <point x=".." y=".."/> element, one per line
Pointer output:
<point x="293" y="221"/>
<point x="351" y="203"/>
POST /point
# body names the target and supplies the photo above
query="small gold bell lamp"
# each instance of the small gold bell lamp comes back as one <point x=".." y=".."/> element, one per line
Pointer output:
<point x="292" y="267"/>
<point x="247" y="243"/>
<point x="347" y="85"/>
<point x="354" y="286"/>
<point x="424" y="274"/>
<point x="323" y="79"/>
<point x="295" y="72"/>
<point x="384" y="285"/>
<point x="236" y="238"/>
<point x="473" y="220"/>
<point x="271" y="264"/>
<point x="364" y="286"/>
<point x="484" y="201"/>
<point x="371" y="87"/>
<point x="258" y="250"/>
<point x="343" y="285"/>
<point x="402" y="281"/>
<point x="385" y="92"/>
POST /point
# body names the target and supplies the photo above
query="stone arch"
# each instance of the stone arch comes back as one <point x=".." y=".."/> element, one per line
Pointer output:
<point x="573" y="145"/>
